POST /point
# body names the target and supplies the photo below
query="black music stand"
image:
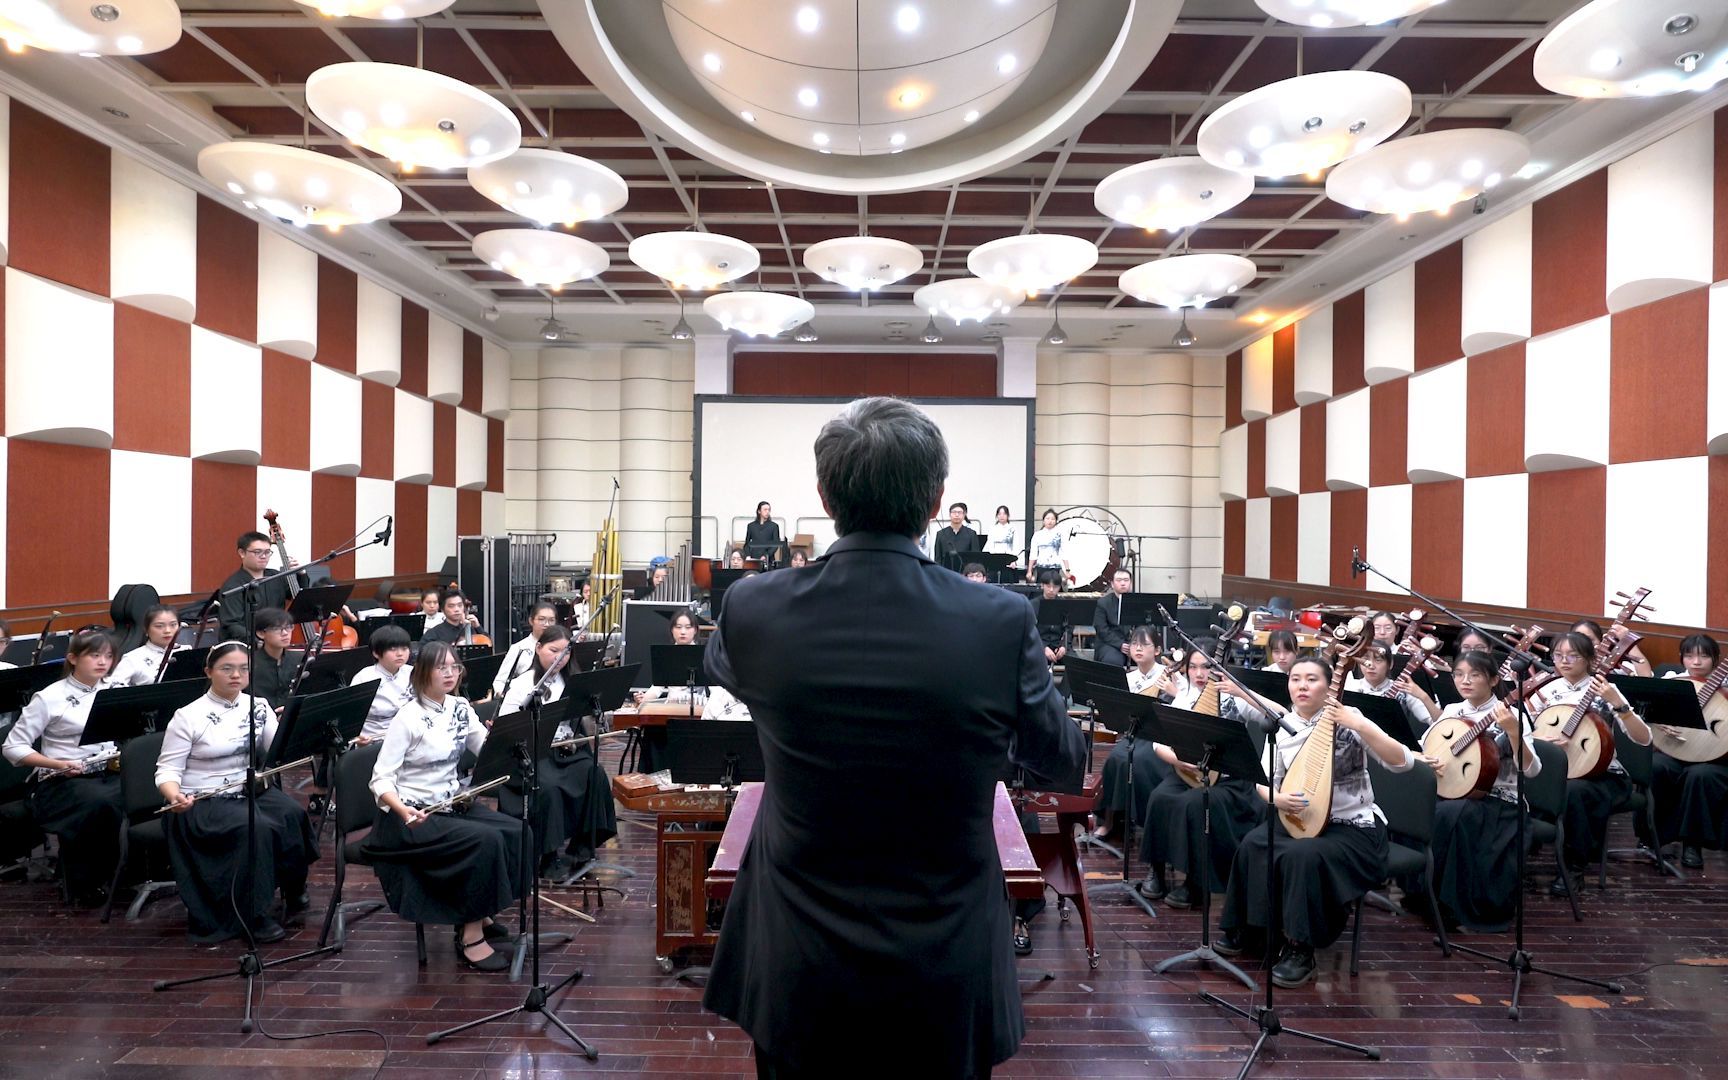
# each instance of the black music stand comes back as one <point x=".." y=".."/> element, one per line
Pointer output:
<point x="1388" y="715"/>
<point x="585" y="656"/>
<point x="595" y="693"/>
<point x="707" y="752"/>
<point x="1127" y="715"/>
<point x="1272" y="685"/>
<point x="479" y="673"/>
<point x="1208" y="743"/>
<point x="18" y="685"/>
<point x="186" y="664"/>
<point x="125" y="712"/>
<point x="314" y="604"/>
<point x="1082" y="675"/>
<point x="677" y="665"/>
<point x="995" y="564"/>
<point x="334" y="670"/>
<point x="1670" y="702"/>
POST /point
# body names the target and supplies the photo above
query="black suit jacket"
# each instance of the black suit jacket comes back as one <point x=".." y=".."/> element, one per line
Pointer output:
<point x="762" y="539"/>
<point x="849" y="907"/>
<point x="231" y="610"/>
<point x="963" y="542"/>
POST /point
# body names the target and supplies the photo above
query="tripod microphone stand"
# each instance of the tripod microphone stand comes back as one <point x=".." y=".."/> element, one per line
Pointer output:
<point x="250" y="965"/>
<point x="596" y="788"/>
<point x="1520" y="961"/>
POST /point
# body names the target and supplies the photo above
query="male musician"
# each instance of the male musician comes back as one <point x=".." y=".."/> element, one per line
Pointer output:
<point x="839" y="923"/>
<point x="458" y="620"/>
<point x="273" y="662"/>
<point x="254" y="549"/>
<point x="1053" y="632"/>
<point x="1111" y="635"/>
<point x="762" y="536"/>
<point x="958" y="538"/>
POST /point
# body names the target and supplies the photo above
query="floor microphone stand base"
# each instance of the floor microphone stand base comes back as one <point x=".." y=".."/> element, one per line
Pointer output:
<point x="1204" y="953"/>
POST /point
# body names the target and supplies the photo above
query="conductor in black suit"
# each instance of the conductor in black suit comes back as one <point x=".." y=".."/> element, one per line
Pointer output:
<point x="762" y="536"/>
<point x="859" y="940"/>
<point x="958" y="538"/>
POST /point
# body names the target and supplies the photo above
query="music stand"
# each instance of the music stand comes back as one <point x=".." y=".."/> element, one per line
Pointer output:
<point x="478" y="674"/>
<point x="1669" y="702"/>
<point x="677" y="665"/>
<point x="1208" y="743"/>
<point x="1141" y="608"/>
<point x="186" y="664"/>
<point x="1388" y="714"/>
<point x="1272" y="685"/>
<point x="316" y="603"/>
<point x="125" y="712"/>
<point x="320" y="723"/>
<point x="19" y="685"/>
<point x="705" y="752"/>
<point x="993" y="562"/>
<point x="1127" y="715"/>
<point x="334" y="670"/>
<point x="718" y="583"/>
<point x="1083" y="675"/>
<point x="596" y="693"/>
<point x="585" y="655"/>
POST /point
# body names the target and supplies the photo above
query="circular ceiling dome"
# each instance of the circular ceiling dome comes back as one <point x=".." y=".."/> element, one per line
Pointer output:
<point x="862" y="96"/>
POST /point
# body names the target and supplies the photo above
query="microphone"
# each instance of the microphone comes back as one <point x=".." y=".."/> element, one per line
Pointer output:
<point x="383" y="536"/>
<point x="614" y="483"/>
<point x="1355" y="563"/>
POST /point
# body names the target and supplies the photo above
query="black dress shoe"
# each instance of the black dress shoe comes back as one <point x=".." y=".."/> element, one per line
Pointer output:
<point x="1182" y="896"/>
<point x="294" y="909"/>
<point x="1022" y="938"/>
<point x="1690" y="857"/>
<point x="268" y="931"/>
<point x="492" y="961"/>
<point x="1153" y="887"/>
<point x="1296" y="968"/>
<point x="497" y="933"/>
<point x="1558" y="886"/>
<point x="1229" y="943"/>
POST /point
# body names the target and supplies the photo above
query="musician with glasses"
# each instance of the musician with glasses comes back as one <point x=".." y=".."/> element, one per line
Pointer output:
<point x="201" y="773"/>
<point x="1374" y="677"/>
<point x="254" y="550"/>
<point x="77" y="793"/>
<point x="273" y="662"/>
<point x="448" y="865"/>
<point x="1691" y="796"/>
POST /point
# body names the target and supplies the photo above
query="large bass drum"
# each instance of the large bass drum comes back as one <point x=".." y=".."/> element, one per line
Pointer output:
<point x="1088" y="556"/>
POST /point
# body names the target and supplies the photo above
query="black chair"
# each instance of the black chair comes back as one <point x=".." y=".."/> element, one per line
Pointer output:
<point x="1408" y="800"/>
<point x="142" y="830"/>
<point x="1639" y="763"/>
<point x="355" y="812"/>
<point x="1545" y="794"/>
<point x="19" y="836"/>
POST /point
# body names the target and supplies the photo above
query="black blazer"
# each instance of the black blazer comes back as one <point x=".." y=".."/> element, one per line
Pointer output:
<point x="231" y="610"/>
<point x="761" y="539"/>
<point x="964" y="542"/>
<point x="850" y="908"/>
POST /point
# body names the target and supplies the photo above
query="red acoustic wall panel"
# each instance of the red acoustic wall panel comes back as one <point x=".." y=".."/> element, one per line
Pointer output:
<point x="56" y="521"/>
<point x="1569" y="251"/>
<point x="1347" y="344"/>
<point x="338" y="310"/>
<point x="410" y="538"/>
<point x="1440" y="306"/>
<point x="1284" y="370"/>
<point x="227" y="271"/>
<point x="1659" y="367"/>
<point x="1283" y="523"/>
<point x="1233" y="389"/>
<point x="1257" y="459"/>
<point x="152" y="382"/>
<point x="1313" y="463"/>
<point x="845" y="374"/>
<point x="1494" y="412"/>
<point x="443" y="444"/>
<point x="494" y="455"/>
<point x="333" y="519"/>
<point x="468" y="513"/>
<point x="1437" y="538"/>
<point x="378" y="433"/>
<point x="224" y="505"/>
<point x="1349" y="530"/>
<point x="1235" y="532"/>
<point x="1388" y="426"/>
<point x="1567" y="539"/>
<point x="473" y="370"/>
<point x="287" y="431"/>
<point x="414" y="345"/>
<point x="59" y="203"/>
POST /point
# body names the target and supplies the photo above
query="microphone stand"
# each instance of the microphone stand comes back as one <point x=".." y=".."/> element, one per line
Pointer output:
<point x="538" y="995"/>
<point x="1520" y="962"/>
<point x="583" y="877"/>
<point x="250" y="966"/>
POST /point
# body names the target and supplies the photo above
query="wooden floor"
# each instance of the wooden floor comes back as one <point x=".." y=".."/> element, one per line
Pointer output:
<point x="76" y="997"/>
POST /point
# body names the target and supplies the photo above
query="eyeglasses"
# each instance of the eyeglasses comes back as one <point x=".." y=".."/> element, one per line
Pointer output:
<point x="257" y="551"/>
<point x="446" y="669"/>
<point x="230" y="669"/>
<point x="1564" y="656"/>
<point x="278" y="630"/>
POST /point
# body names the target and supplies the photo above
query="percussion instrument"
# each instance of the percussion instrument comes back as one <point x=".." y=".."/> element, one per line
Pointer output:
<point x="1088" y="557"/>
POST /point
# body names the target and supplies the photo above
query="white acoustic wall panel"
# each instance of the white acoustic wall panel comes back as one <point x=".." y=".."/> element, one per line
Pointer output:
<point x="1347" y="441"/>
<point x="443" y="360"/>
<point x="1494" y="565"/>
<point x="1233" y="463"/>
<point x="470" y="449"/>
<point x="289" y="493"/>
<point x="1660" y="213"/>
<point x="1496" y="284"/>
<point x="1388" y="533"/>
<point x="414" y="453"/>
<point x="1566" y="405"/>
<point x="1680" y="532"/>
<point x="1435" y="445"/>
<point x="1314" y="357"/>
<point x="1716" y="376"/>
<point x="1314" y="538"/>
<point x="1081" y="464"/>
<point x="287" y="295"/>
<point x="153" y="240"/>
<point x="654" y="401"/>
<point x="1257" y="539"/>
<point x="492" y="514"/>
<point x="1389" y="326"/>
<point x="227" y="398"/>
<point x="1257" y="379"/>
<point x="441" y="526"/>
<point x="374" y="499"/>
<point x="1284" y="453"/>
<point x="155" y="489"/>
<point x="378" y="333"/>
<point x="336" y="400"/>
<point x="4" y="478"/>
<point x="577" y="452"/>
<point x="5" y="177"/>
<point x="495" y="380"/>
<point x="59" y="362"/>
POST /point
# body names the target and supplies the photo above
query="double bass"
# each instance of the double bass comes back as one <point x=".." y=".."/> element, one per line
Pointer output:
<point x="335" y="635"/>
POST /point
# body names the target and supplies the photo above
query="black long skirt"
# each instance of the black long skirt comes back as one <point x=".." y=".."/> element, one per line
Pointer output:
<point x="1588" y="803"/>
<point x="574" y="809"/>
<point x="1691" y="801"/>
<point x="1149" y="771"/>
<point x="1176" y="833"/>
<point x="204" y="846"/>
<point x="1475" y="850"/>
<point x="450" y="869"/>
<point x="1319" y="880"/>
<point x="85" y="812"/>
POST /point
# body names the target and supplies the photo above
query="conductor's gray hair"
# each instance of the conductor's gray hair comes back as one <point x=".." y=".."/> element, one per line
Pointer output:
<point x="880" y="465"/>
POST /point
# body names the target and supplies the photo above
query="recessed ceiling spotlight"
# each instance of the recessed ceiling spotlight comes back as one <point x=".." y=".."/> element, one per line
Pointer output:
<point x="807" y="98"/>
<point x="711" y="61"/>
<point x="1007" y="64"/>
<point x="897" y="139"/>
<point x="820" y="138"/>
<point x="808" y="19"/>
<point x="909" y="97"/>
<point x="971" y="115"/>
<point x="747" y="116"/>
<point x="907" y="20"/>
<point x="1535" y="168"/>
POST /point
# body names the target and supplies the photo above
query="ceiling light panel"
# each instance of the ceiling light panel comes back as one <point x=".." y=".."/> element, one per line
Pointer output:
<point x="1170" y="193"/>
<point x="301" y="186"/>
<point x="1431" y="171"/>
<point x="966" y="299"/>
<point x="1636" y="48"/>
<point x="416" y="117"/>
<point x="382" y="10"/>
<point x="1305" y="124"/>
<point x="1032" y="263"/>
<point x="863" y="262"/>
<point x="1187" y="280"/>
<point x="541" y="256"/>
<point x="694" y="260"/>
<point x="106" y="28"/>
<point x="758" y="314"/>
<point x="550" y="187"/>
<point x="1331" y="14"/>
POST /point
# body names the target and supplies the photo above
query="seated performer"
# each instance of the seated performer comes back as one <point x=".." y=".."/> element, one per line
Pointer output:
<point x="975" y="572"/>
<point x="1588" y="800"/>
<point x="1147" y="676"/>
<point x="431" y="609"/>
<point x="459" y="623"/>
<point x="1319" y="878"/>
<point x="254" y="550"/>
<point x="1635" y="662"/>
<point x="273" y="662"/>
<point x="1111" y="635"/>
<point x="1176" y="832"/>
<point x="77" y="794"/>
<point x="735" y="561"/>
<point x="452" y="867"/>
<point x="139" y="667"/>
<point x="1374" y="676"/>
<point x="1055" y="636"/>
<point x="204" y="754"/>
<point x="1281" y="651"/>
<point x="390" y="651"/>
<point x="575" y="809"/>
<point x="1692" y="796"/>
<point x="1475" y="840"/>
<point x="519" y="656"/>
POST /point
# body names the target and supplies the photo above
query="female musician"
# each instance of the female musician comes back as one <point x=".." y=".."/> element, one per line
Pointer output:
<point x="204" y="753"/>
<point x="650" y="753"/>
<point x="683" y="628"/>
<point x="1319" y="878"/>
<point x="519" y="656"/>
<point x="582" y="611"/>
<point x="799" y="559"/>
<point x="390" y="651"/>
<point x="1175" y="830"/>
<point x="1281" y="651"/>
<point x="1385" y="626"/>
<point x="430" y="609"/>
<point x="1470" y="640"/>
<point x="1635" y="662"/>
<point x="1003" y="537"/>
<point x="1374" y="676"/>
<point x="1146" y="676"/>
<point x="1474" y="842"/>
<point x="77" y="797"/>
<point x="762" y="536"/>
<point x="1046" y="548"/>
<point x="1692" y="797"/>
<point x="1588" y="801"/>
<point x="735" y="561"/>
<point x="273" y="662"/>
<point x="139" y="667"/>
<point x="453" y="866"/>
